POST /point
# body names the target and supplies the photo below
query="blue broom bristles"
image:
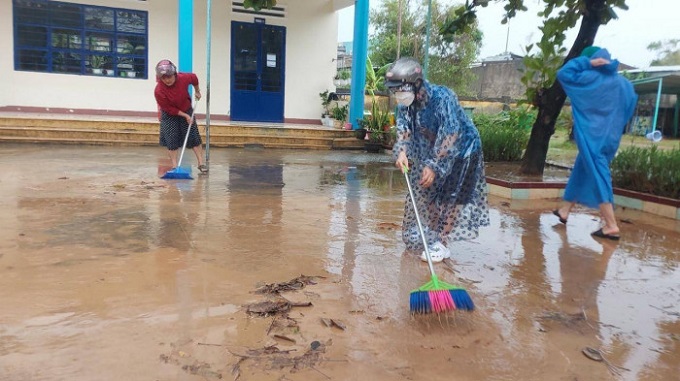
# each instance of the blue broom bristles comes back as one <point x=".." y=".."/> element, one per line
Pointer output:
<point x="178" y="173"/>
<point x="462" y="299"/>
<point x="421" y="301"/>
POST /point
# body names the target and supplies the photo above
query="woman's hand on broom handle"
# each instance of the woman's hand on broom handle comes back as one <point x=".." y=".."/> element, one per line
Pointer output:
<point x="402" y="162"/>
<point x="427" y="177"/>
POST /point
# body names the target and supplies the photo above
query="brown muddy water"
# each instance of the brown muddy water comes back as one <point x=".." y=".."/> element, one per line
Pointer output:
<point x="109" y="273"/>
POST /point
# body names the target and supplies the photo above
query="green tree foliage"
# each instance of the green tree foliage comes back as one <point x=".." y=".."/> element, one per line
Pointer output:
<point x="668" y="52"/>
<point x="450" y="55"/>
<point x="545" y="58"/>
<point x="259" y="4"/>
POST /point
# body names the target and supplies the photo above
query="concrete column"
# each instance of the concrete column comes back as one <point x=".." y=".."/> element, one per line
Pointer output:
<point x="185" y="38"/>
<point x="360" y="53"/>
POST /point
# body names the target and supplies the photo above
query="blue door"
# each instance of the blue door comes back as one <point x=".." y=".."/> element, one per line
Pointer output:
<point x="257" y="72"/>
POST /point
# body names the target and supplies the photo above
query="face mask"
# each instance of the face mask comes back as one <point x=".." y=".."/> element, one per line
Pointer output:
<point x="404" y="98"/>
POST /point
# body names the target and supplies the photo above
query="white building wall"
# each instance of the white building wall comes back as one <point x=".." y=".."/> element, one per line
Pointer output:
<point x="312" y="35"/>
<point x="49" y="90"/>
<point x="311" y="39"/>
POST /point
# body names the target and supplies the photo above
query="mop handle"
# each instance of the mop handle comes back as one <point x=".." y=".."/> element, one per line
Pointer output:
<point x="420" y="225"/>
<point x="186" y="137"/>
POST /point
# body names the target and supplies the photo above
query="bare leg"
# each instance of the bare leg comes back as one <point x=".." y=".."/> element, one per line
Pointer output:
<point x="198" y="150"/>
<point x="610" y="226"/>
<point x="172" y="154"/>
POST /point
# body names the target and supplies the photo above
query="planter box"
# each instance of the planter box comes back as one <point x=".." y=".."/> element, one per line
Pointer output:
<point x="520" y="190"/>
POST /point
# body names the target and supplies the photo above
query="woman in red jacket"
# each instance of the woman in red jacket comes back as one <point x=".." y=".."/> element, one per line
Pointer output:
<point x="174" y="103"/>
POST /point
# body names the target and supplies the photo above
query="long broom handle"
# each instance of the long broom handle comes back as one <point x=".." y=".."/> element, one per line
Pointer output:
<point x="186" y="137"/>
<point x="420" y="225"/>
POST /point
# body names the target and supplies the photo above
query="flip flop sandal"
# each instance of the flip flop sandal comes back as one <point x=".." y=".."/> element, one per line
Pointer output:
<point x="203" y="168"/>
<point x="601" y="234"/>
<point x="557" y="213"/>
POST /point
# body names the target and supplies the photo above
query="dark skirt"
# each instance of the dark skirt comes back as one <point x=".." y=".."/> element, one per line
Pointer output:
<point x="174" y="129"/>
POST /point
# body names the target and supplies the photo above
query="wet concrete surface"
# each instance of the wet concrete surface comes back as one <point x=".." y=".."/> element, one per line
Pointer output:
<point x="109" y="273"/>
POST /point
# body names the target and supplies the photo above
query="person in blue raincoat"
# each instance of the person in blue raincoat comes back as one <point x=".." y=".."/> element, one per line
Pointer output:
<point x="602" y="103"/>
<point x="440" y="145"/>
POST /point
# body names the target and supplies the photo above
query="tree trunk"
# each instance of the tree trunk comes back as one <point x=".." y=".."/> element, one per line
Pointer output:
<point x="550" y="101"/>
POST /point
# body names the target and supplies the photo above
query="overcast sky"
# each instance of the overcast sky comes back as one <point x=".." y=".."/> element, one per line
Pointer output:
<point x="626" y="38"/>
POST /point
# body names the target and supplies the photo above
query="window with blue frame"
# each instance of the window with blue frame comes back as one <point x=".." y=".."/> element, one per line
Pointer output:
<point x="68" y="38"/>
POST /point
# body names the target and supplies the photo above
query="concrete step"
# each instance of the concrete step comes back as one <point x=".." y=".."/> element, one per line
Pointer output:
<point x="152" y="125"/>
<point x="106" y="137"/>
<point x="113" y="130"/>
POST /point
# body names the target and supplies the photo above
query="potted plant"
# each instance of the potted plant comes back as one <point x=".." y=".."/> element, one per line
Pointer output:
<point x="96" y="63"/>
<point x="339" y="115"/>
<point x="342" y="79"/>
<point x="325" y="102"/>
<point x="376" y="125"/>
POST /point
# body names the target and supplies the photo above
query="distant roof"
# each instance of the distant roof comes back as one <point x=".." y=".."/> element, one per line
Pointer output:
<point x="656" y="69"/>
<point x="670" y="84"/>
<point x="505" y="56"/>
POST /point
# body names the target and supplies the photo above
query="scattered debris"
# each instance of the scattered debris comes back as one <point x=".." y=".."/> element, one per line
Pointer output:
<point x="672" y="313"/>
<point x="283" y="322"/>
<point x="577" y="321"/>
<point x="388" y="226"/>
<point x="339" y="324"/>
<point x="273" y="307"/>
<point x="334" y="323"/>
<point x="292" y="285"/>
<point x="196" y="368"/>
<point x="286" y="338"/>
<point x="272" y="358"/>
<point x="596" y="355"/>
<point x="201" y="369"/>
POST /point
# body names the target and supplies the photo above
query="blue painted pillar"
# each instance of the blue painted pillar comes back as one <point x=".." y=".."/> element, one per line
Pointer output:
<point x="360" y="54"/>
<point x="185" y="27"/>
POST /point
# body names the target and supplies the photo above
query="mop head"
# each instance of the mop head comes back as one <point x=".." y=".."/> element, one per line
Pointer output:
<point x="436" y="297"/>
<point x="179" y="173"/>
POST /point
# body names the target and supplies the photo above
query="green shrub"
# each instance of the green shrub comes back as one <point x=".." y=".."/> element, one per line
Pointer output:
<point x="649" y="170"/>
<point x="504" y="135"/>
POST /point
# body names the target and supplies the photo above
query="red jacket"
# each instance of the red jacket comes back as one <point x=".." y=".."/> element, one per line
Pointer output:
<point x="175" y="98"/>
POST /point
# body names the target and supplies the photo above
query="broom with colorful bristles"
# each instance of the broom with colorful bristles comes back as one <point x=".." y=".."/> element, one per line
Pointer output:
<point x="435" y="296"/>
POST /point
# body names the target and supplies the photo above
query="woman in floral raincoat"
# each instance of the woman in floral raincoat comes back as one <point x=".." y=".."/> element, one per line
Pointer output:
<point x="439" y="144"/>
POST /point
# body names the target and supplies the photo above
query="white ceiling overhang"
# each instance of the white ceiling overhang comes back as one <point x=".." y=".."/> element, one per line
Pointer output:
<point x="340" y="4"/>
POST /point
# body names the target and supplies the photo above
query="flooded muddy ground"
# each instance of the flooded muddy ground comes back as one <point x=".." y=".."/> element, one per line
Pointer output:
<point x="109" y="273"/>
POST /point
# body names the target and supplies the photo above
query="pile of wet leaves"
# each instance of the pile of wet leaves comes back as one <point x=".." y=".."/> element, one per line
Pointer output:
<point x="283" y="328"/>
<point x="294" y="284"/>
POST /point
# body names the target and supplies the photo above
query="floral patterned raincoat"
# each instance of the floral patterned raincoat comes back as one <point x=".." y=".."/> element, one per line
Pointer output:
<point x="436" y="132"/>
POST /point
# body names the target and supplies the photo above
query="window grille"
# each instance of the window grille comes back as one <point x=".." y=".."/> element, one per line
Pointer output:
<point x="69" y="38"/>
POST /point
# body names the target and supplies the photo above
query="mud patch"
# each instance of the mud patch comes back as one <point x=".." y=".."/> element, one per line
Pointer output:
<point x="190" y="365"/>
<point x="556" y="319"/>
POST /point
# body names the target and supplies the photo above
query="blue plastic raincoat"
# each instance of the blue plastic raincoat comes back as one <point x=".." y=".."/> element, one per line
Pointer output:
<point x="436" y="132"/>
<point x="602" y="103"/>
